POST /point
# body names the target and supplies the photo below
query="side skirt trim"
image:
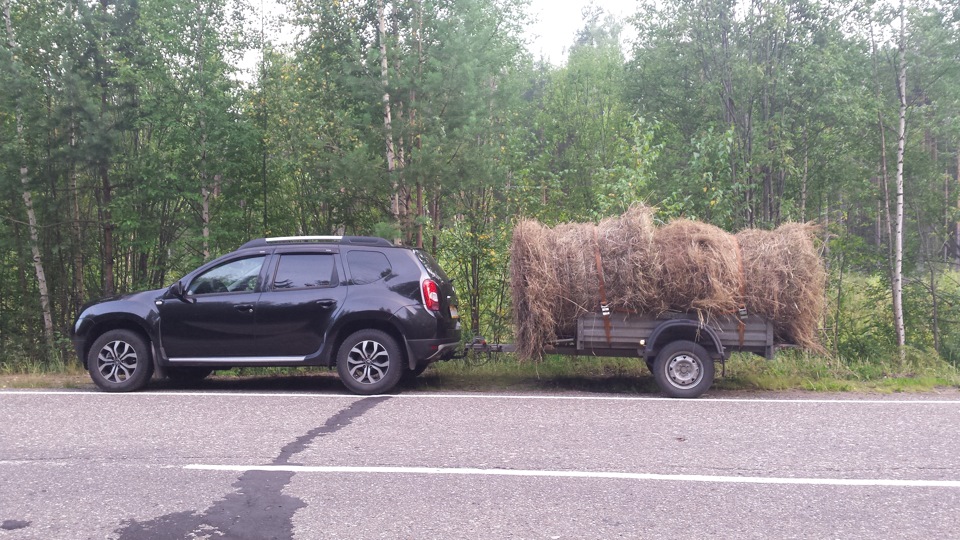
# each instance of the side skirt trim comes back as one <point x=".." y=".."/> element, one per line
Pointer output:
<point x="241" y="360"/>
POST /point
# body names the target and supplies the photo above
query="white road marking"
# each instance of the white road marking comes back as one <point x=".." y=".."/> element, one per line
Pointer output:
<point x="583" y="474"/>
<point x="221" y="394"/>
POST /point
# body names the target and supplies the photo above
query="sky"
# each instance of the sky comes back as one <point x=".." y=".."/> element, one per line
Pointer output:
<point x="550" y="35"/>
<point x="559" y="20"/>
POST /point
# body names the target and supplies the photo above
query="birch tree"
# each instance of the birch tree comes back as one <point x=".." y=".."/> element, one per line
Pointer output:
<point x="32" y="224"/>
<point x="897" y="281"/>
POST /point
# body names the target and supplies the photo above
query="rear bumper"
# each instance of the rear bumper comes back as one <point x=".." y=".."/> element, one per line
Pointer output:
<point x="427" y="351"/>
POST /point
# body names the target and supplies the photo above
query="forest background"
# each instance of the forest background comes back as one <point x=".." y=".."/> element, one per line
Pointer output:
<point x="133" y="148"/>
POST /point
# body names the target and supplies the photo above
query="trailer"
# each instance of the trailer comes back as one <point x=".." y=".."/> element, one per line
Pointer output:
<point x="680" y="349"/>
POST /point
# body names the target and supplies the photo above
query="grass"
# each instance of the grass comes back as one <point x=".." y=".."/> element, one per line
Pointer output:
<point x="35" y="374"/>
<point x="789" y="371"/>
<point x="795" y="370"/>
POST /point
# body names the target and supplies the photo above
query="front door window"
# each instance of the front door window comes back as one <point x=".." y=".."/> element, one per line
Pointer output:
<point x="234" y="276"/>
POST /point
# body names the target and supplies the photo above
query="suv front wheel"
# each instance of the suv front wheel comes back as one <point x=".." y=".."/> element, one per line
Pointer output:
<point x="119" y="361"/>
<point x="369" y="362"/>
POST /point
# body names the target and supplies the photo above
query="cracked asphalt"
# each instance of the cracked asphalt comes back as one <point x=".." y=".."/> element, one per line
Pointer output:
<point x="82" y="464"/>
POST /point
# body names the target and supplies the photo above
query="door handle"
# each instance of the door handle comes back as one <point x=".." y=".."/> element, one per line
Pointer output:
<point x="245" y="308"/>
<point x="326" y="302"/>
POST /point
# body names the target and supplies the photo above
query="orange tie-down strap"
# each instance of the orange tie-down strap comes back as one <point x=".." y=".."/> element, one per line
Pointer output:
<point x="742" y="311"/>
<point x="604" y="306"/>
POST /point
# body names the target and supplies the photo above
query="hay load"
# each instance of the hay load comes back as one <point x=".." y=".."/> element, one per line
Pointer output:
<point x="683" y="266"/>
<point x="785" y="280"/>
<point x="553" y="274"/>
<point x="627" y="251"/>
<point x="534" y="287"/>
<point x="699" y="267"/>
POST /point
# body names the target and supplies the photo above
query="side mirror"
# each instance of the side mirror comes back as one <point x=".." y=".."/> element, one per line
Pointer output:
<point x="178" y="291"/>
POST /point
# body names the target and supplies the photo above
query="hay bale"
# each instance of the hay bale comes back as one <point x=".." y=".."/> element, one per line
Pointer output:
<point x="534" y="288"/>
<point x="553" y="274"/>
<point x="574" y="264"/>
<point x="630" y="262"/>
<point x="785" y="281"/>
<point x="699" y="267"/>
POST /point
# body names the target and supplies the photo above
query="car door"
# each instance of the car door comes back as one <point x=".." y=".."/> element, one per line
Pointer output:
<point x="217" y="322"/>
<point x="298" y="303"/>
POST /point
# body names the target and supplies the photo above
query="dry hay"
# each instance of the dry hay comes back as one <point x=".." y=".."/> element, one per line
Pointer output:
<point x="534" y="288"/>
<point x="554" y="280"/>
<point x="630" y="261"/>
<point x="684" y="265"/>
<point x="574" y="262"/>
<point x="785" y="280"/>
<point x="699" y="267"/>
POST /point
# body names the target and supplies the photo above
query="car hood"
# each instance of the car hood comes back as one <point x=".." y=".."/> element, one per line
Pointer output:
<point x="146" y="297"/>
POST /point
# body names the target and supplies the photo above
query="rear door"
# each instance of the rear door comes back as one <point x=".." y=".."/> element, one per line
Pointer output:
<point x="449" y="314"/>
<point x="301" y="297"/>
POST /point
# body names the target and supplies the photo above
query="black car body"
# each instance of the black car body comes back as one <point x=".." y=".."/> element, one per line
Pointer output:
<point x="374" y="310"/>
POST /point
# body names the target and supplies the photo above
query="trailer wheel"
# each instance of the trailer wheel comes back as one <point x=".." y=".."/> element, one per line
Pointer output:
<point x="683" y="369"/>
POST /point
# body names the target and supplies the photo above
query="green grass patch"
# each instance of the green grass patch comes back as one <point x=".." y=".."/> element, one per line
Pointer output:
<point x="795" y="370"/>
<point x="54" y="365"/>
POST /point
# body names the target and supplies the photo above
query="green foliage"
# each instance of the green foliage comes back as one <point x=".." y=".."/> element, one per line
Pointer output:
<point x="477" y="258"/>
<point x="135" y="128"/>
<point x="625" y="184"/>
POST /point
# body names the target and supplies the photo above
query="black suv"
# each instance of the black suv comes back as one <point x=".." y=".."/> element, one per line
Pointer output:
<point x="376" y="311"/>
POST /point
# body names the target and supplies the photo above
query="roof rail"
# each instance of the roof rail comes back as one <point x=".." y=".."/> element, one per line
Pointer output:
<point x="361" y="240"/>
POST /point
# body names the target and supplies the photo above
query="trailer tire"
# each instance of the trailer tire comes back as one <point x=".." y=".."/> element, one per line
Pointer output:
<point x="683" y="369"/>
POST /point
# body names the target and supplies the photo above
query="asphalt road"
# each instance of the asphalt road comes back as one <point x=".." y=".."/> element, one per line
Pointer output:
<point x="249" y="464"/>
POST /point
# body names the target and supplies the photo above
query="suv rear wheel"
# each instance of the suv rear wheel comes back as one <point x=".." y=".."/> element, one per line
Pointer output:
<point x="370" y="362"/>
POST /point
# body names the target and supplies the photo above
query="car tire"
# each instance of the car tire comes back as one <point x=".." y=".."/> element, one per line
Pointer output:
<point x="683" y="369"/>
<point x="370" y="362"/>
<point x="119" y="361"/>
<point x="187" y="374"/>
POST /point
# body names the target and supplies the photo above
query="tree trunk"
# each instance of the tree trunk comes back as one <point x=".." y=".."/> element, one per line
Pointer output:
<point x="78" y="286"/>
<point x="201" y="114"/>
<point x="956" y="231"/>
<point x="103" y="171"/>
<point x="804" y="179"/>
<point x="418" y="140"/>
<point x="387" y="120"/>
<point x="897" y="284"/>
<point x="34" y="228"/>
<point x="945" y="246"/>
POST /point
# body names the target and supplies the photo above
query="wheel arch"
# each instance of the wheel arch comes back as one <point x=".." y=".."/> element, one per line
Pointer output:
<point x="104" y="326"/>
<point x="687" y="330"/>
<point x="363" y="323"/>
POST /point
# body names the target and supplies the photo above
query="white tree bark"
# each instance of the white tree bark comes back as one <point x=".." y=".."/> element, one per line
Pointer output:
<point x="897" y="284"/>
<point x="28" y="203"/>
<point x="387" y="120"/>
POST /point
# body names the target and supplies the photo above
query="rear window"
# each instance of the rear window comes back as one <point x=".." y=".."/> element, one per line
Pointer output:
<point x="305" y="271"/>
<point x="368" y="266"/>
<point x="431" y="265"/>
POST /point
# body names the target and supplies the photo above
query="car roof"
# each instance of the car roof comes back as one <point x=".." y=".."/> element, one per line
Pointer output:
<point x="372" y="241"/>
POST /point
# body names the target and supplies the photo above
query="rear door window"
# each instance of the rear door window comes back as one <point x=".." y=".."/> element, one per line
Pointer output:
<point x="305" y="271"/>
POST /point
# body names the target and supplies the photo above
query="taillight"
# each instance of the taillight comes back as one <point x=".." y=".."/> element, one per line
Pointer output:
<point x="431" y="295"/>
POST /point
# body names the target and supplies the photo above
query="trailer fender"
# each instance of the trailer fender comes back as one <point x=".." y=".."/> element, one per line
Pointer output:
<point x="686" y="329"/>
